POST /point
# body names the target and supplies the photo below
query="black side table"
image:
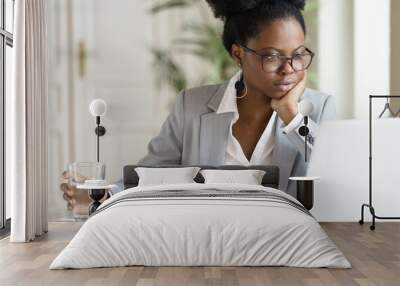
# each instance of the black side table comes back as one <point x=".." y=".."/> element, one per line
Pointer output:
<point x="305" y="190"/>
<point x="96" y="193"/>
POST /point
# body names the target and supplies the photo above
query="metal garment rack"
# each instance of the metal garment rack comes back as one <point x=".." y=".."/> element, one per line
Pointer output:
<point x="370" y="204"/>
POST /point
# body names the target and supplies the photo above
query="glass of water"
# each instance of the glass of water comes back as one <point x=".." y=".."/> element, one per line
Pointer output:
<point x="78" y="199"/>
<point x="81" y="171"/>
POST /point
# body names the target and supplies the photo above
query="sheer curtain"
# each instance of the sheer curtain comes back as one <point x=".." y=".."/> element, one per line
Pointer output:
<point x="26" y="117"/>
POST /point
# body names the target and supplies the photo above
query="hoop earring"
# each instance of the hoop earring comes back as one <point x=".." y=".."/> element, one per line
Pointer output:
<point x="240" y="86"/>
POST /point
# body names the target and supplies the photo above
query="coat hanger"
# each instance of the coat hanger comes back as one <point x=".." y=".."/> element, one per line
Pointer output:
<point x="387" y="107"/>
<point x="397" y="113"/>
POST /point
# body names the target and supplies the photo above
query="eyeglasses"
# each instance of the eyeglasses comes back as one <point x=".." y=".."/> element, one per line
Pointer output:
<point x="272" y="63"/>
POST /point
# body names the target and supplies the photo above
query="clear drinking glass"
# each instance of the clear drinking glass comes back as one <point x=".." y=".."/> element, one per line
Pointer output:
<point x="81" y="171"/>
<point x="79" y="198"/>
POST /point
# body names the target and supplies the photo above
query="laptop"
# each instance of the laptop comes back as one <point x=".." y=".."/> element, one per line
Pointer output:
<point x="340" y="159"/>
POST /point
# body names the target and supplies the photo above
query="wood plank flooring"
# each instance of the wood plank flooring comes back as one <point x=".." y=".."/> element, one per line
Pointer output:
<point x="375" y="257"/>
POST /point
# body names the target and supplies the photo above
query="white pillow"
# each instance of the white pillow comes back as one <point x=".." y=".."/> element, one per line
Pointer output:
<point x="163" y="176"/>
<point x="248" y="177"/>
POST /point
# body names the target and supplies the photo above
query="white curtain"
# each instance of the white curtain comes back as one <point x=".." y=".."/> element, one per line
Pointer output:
<point x="26" y="117"/>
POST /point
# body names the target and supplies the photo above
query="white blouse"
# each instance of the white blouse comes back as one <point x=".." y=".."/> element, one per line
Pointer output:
<point x="262" y="154"/>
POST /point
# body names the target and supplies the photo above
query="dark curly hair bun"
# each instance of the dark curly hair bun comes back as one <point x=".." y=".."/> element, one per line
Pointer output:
<point x="300" y="4"/>
<point x="243" y="18"/>
<point x="225" y="8"/>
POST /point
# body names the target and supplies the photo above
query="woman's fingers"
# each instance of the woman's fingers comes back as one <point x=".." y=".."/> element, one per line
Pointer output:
<point x="301" y="85"/>
<point x="65" y="175"/>
<point x="294" y="94"/>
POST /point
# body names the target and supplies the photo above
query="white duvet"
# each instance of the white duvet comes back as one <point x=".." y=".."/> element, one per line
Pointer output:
<point x="183" y="231"/>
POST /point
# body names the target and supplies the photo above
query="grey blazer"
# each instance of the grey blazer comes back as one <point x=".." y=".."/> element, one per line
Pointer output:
<point x="194" y="134"/>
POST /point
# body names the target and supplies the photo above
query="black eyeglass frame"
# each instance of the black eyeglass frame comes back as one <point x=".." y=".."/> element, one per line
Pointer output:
<point x="288" y="59"/>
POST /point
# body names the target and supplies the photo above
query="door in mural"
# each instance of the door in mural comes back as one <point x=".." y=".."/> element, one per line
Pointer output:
<point x="99" y="49"/>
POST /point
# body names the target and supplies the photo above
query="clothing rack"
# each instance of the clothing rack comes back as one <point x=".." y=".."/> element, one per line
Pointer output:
<point x="370" y="204"/>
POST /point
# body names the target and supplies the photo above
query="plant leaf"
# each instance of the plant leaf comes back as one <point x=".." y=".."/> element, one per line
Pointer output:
<point x="169" y="4"/>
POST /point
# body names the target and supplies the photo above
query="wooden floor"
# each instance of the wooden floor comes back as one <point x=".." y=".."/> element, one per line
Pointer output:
<point x="375" y="257"/>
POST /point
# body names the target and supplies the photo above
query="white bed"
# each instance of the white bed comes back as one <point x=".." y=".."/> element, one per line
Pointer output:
<point x="201" y="224"/>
